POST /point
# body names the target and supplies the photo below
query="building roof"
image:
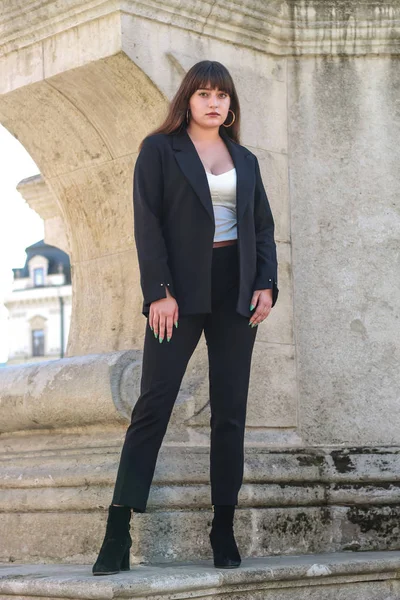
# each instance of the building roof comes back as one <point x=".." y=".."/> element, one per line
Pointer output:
<point x="54" y="255"/>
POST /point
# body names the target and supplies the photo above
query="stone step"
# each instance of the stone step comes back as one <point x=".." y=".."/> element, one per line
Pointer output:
<point x="344" y="575"/>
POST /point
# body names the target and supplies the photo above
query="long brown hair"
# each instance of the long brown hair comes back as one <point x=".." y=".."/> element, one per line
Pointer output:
<point x="199" y="76"/>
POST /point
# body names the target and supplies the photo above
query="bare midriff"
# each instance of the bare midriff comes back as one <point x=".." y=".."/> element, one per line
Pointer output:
<point x="224" y="243"/>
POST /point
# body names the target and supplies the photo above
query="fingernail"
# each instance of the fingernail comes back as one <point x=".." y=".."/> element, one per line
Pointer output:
<point x="251" y="306"/>
<point x="151" y="328"/>
<point x="250" y="323"/>
<point x="176" y="324"/>
<point x="168" y="338"/>
<point x="155" y="334"/>
<point x="160" y="340"/>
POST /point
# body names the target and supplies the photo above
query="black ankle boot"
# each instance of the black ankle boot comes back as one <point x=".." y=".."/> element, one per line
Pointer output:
<point x="225" y="550"/>
<point x="114" y="552"/>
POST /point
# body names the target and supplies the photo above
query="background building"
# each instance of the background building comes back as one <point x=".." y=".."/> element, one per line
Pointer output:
<point x="39" y="305"/>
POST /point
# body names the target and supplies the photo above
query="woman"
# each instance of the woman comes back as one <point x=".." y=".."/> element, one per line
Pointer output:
<point x="204" y="234"/>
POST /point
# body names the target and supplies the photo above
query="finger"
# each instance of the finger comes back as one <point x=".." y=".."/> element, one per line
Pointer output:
<point x="258" y="312"/>
<point x="156" y="323"/>
<point x="254" y="300"/>
<point x="162" y="328"/>
<point x="264" y="315"/>
<point x="169" y="324"/>
<point x="259" y="315"/>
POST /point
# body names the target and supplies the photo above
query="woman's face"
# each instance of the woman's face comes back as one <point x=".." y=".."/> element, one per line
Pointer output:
<point x="205" y="101"/>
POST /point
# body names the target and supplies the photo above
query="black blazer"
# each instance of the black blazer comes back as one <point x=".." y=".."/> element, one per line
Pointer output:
<point x="174" y="224"/>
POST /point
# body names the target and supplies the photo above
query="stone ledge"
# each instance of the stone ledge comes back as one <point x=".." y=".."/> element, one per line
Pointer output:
<point x="284" y="28"/>
<point x="325" y="574"/>
<point x="69" y="392"/>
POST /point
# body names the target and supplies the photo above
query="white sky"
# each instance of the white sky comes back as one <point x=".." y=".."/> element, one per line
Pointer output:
<point x="20" y="226"/>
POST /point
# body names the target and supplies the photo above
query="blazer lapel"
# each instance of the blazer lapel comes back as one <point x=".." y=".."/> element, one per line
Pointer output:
<point x="190" y="163"/>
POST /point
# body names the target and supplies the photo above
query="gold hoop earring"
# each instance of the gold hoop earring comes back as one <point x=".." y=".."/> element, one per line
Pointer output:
<point x="233" y="120"/>
<point x="187" y="116"/>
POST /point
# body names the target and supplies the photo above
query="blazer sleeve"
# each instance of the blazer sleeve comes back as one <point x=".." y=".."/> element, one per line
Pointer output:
<point x="148" y="190"/>
<point x="267" y="264"/>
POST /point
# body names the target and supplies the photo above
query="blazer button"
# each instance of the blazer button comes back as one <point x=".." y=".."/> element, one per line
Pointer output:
<point x="161" y="284"/>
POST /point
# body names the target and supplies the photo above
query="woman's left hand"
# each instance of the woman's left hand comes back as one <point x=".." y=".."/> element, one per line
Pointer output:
<point x="262" y="300"/>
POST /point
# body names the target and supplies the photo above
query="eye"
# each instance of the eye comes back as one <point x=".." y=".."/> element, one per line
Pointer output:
<point x="221" y="93"/>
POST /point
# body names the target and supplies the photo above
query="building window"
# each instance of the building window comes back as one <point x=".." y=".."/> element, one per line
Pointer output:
<point x="38" y="276"/>
<point x="37" y="342"/>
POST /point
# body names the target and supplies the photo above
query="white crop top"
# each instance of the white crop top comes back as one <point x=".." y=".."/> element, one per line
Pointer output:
<point x="223" y="196"/>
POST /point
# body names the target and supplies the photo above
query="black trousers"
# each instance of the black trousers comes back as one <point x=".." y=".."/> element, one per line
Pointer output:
<point x="230" y="340"/>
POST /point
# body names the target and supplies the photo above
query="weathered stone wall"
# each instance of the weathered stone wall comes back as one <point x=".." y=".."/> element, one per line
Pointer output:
<point x="344" y="132"/>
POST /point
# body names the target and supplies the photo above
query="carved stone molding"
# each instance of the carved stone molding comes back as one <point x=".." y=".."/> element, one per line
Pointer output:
<point x="39" y="197"/>
<point x="285" y="28"/>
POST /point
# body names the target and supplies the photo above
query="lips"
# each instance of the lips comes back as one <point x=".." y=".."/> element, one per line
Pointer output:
<point x="213" y="114"/>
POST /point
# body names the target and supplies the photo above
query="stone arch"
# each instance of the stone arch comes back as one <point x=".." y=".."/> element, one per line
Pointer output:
<point x="82" y="127"/>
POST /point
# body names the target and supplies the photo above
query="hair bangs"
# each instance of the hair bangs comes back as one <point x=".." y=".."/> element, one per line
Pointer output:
<point x="213" y="76"/>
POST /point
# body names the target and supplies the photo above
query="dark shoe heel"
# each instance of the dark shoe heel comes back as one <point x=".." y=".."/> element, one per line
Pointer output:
<point x="225" y="550"/>
<point x="125" y="561"/>
<point x="114" y="552"/>
<point x="222" y="539"/>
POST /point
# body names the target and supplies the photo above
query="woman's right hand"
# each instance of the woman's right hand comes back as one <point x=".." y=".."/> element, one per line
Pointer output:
<point x="162" y="316"/>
